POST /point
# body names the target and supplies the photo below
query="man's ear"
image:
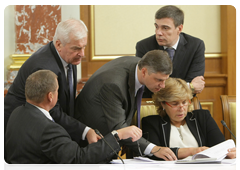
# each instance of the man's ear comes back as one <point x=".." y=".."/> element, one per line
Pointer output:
<point x="50" y="96"/>
<point x="180" y="28"/>
<point x="58" y="45"/>
<point x="144" y="71"/>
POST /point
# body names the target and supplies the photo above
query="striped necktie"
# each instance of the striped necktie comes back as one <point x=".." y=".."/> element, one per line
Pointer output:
<point x="171" y="52"/>
<point x="71" y="91"/>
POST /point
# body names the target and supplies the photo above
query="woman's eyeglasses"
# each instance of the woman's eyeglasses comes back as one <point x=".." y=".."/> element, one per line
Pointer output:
<point x="179" y="104"/>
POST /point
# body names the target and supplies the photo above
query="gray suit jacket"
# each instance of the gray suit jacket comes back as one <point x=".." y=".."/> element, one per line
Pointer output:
<point x="31" y="138"/>
<point x="188" y="61"/>
<point x="107" y="101"/>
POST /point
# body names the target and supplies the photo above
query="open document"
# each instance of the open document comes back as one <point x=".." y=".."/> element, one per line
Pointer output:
<point x="218" y="151"/>
<point x="213" y="156"/>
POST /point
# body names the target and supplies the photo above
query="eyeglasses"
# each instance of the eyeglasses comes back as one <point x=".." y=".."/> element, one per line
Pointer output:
<point x="179" y="104"/>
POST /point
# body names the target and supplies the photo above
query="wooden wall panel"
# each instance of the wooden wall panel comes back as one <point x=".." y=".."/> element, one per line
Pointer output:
<point x="228" y="46"/>
<point x="210" y="99"/>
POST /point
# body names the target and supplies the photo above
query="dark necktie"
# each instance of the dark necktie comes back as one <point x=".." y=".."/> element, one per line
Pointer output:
<point x="171" y="52"/>
<point x="70" y="87"/>
<point x="139" y="99"/>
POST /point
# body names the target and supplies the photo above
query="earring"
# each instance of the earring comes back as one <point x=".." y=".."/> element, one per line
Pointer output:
<point x="163" y="109"/>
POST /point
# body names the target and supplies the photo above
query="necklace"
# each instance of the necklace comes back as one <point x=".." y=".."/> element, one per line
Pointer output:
<point x="180" y="133"/>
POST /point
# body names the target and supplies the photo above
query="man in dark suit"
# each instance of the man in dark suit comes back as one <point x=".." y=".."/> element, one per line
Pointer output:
<point x="67" y="48"/>
<point x="33" y="137"/>
<point x="187" y="51"/>
<point x="108" y="99"/>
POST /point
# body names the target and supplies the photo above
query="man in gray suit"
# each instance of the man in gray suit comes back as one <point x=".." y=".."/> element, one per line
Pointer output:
<point x="33" y="137"/>
<point x="187" y="51"/>
<point x="108" y="99"/>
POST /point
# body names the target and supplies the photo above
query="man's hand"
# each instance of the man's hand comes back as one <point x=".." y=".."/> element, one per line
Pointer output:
<point x="130" y="132"/>
<point x="198" y="84"/>
<point x="231" y="153"/>
<point x="164" y="153"/>
<point x="92" y="137"/>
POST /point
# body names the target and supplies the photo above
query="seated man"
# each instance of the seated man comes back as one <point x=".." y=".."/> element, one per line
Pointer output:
<point x="32" y="136"/>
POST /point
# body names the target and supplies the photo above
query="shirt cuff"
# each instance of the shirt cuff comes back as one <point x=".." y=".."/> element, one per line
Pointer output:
<point x="148" y="149"/>
<point x="85" y="132"/>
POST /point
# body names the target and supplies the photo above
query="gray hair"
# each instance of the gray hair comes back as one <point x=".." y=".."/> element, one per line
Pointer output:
<point x="39" y="83"/>
<point x="65" y="29"/>
<point x="171" y="11"/>
<point x="156" y="61"/>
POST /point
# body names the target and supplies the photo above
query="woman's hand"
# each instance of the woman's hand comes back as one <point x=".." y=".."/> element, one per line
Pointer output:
<point x="231" y="153"/>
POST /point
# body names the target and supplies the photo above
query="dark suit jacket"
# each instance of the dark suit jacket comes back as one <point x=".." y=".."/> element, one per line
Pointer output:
<point x="31" y="138"/>
<point x="107" y="100"/>
<point x="48" y="59"/>
<point x="200" y="123"/>
<point x="188" y="61"/>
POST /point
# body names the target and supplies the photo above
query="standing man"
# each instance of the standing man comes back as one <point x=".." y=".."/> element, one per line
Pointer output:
<point x="33" y="137"/>
<point x="185" y="51"/>
<point x="61" y="57"/>
<point x="108" y="99"/>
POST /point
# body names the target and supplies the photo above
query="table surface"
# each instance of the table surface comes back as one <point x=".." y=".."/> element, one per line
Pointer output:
<point x="199" y="168"/>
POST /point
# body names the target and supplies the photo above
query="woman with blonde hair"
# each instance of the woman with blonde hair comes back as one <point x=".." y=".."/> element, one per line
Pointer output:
<point x="184" y="131"/>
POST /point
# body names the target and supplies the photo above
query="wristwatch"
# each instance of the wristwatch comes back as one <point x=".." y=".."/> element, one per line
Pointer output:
<point x="115" y="134"/>
<point x="192" y="87"/>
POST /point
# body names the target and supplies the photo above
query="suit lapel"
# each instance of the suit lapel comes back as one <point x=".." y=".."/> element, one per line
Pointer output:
<point x="192" y="125"/>
<point x="62" y="77"/>
<point x="180" y="52"/>
<point x="166" y="128"/>
<point x="131" y="90"/>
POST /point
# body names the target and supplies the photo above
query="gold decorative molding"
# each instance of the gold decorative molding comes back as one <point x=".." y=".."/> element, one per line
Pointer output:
<point x="208" y="106"/>
<point x="215" y="55"/>
<point x="18" y="60"/>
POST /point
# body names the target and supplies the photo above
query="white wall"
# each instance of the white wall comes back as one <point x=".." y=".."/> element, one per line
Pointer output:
<point x="68" y="11"/>
<point x="9" y="37"/>
<point x="119" y="27"/>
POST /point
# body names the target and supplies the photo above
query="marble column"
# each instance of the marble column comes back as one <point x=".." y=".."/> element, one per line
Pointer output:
<point x="35" y="26"/>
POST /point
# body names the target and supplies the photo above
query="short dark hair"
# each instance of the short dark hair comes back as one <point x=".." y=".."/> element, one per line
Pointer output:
<point x="171" y="11"/>
<point x="156" y="61"/>
<point x="39" y="83"/>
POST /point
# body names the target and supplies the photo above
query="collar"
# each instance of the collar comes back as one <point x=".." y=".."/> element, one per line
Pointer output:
<point x="46" y="113"/>
<point x="174" y="46"/>
<point x="64" y="63"/>
<point x="138" y="85"/>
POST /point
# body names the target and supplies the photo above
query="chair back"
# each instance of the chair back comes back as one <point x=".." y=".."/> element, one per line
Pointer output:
<point x="229" y="115"/>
